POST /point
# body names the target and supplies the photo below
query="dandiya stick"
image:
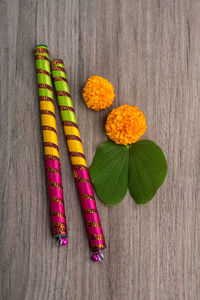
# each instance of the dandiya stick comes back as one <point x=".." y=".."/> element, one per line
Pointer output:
<point x="78" y="160"/>
<point x="50" y="144"/>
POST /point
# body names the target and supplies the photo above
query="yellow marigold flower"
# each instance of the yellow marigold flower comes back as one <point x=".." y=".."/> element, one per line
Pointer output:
<point x="125" y="124"/>
<point x="98" y="93"/>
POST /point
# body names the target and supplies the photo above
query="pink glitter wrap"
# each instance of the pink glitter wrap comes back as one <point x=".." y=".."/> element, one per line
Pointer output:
<point x="55" y="192"/>
<point x="89" y="208"/>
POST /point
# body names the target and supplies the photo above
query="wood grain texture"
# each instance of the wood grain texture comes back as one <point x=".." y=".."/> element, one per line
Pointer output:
<point x="150" y="51"/>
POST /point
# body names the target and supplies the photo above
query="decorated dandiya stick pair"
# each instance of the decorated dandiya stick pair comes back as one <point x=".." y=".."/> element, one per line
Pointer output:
<point x="50" y="144"/>
<point x="78" y="160"/>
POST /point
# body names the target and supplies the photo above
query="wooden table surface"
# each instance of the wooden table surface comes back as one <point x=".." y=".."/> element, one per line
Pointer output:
<point x="150" y="51"/>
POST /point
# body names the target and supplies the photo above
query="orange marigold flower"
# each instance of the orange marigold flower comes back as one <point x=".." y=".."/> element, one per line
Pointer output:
<point x="98" y="93"/>
<point x="125" y="124"/>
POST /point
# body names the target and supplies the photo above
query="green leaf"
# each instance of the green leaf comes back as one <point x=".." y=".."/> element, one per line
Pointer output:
<point x="109" y="172"/>
<point x="147" y="170"/>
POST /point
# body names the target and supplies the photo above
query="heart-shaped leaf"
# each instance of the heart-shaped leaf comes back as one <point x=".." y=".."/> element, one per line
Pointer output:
<point x="147" y="170"/>
<point x="109" y="172"/>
